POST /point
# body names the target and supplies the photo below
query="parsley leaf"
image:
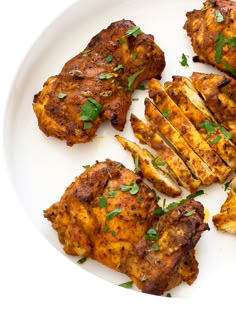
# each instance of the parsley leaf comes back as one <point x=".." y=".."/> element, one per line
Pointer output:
<point x="90" y="110"/>
<point x="215" y="140"/>
<point x="82" y="260"/>
<point x="191" y="212"/>
<point x="219" y="16"/>
<point x="132" y="78"/>
<point x="128" y="284"/>
<point x="133" y="31"/>
<point x="184" y="60"/>
<point x="118" y="68"/>
<point x="62" y="95"/>
<point x="105" y="76"/>
<point x="133" y="188"/>
<point x="228" y="67"/>
<point x="109" y="58"/>
<point x="102" y="202"/>
<point x="165" y="112"/>
<point x="110" y="215"/>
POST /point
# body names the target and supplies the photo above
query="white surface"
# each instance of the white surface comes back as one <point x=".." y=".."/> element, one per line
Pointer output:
<point x="33" y="274"/>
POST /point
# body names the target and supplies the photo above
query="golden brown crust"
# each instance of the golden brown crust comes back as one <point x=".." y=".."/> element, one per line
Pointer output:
<point x="204" y="30"/>
<point x="118" y="232"/>
<point x="81" y="79"/>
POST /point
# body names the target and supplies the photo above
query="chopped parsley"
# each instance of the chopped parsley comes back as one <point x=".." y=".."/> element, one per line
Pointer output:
<point x="133" y="31"/>
<point x="134" y="55"/>
<point x="82" y="260"/>
<point x="132" y="78"/>
<point x="118" y="68"/>
<point x="90" y="110"/>
<point x="86" y="166"/>
<point x="128" y="284"/>
<point x="136" y="164"/>
<point x="87" y="125"/>
<point x="102" y="202"/>
<point x="133" y="188"/>
<point x="86" y="52"/>
<point x="173" y="205"/>
<point x="215" y="140"/>
<point x="143" y="278"/>
<point x="184" y="60"/>
<point x="62" y="95"/>
<point x="156" y="162"/>
<point x="109" y="58"/>
<point x="219" y="16"/>
<point x="210" y="128"/>
<point x="105" y="76"/>
<point x="165" y="112"/>
<point x="220" y="41"/>
<point x="189" y="213"/>
<point x="152" y="235"/>
<point x="110" y="215"/>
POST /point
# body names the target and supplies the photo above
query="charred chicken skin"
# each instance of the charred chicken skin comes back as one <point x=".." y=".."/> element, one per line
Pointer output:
<point x="97" y="84"/>
<point x="212" y="30"/>
<point x="109" y="214"/>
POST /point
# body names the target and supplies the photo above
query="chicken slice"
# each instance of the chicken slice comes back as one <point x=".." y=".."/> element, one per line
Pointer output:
<point x="219" y="94"/>
<point x="192" y="160"/>
<point x="226" y="219"/>
<point x="183" y="93"/>
<point x="109" y="214"/>
<point x="150" y="168"/>
<point x="212" y="31"/>
<point x="187" y="130"/>
<point x="97" y="84"/>
<point x="175" y="164"/>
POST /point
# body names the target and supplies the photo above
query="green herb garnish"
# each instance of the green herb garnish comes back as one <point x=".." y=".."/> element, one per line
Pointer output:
<point x="219" y="16"/>
<point x="86" y="166"/>
<point x="87" y="125"/>
<point x="189" y="213"/>
<point x="128" y="284"/>
<point x="110" y="215"/>
<point x="105" y="76"/>
<point x="132" y="78"/>
<point x="215" y="140"/>
<point x="228" y="67"/>
<point x="62" y="95"/>
<point x="156" y="162"/>
<point x="118" y="68"/>
<point x="133" y="188"/>
<point x="102" y="202"/>
<point x="136" y="164"/>
<point x="82" y="260"/>
<point x="134" y="55"/>
<point x="152" y="235"/>
<point x="165" y="112"/>
<point x="133" y="31"/>
<point x="90" y="110"/>
<point x="184" y="60"/>
<point x="86" y="52"/>
<point x="109" y="58"/>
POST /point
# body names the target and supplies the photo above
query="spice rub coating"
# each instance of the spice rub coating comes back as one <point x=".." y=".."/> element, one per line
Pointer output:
<point x="212" y="31"/>
<point x="109" y="214"/>
<point x="96" y="85"/>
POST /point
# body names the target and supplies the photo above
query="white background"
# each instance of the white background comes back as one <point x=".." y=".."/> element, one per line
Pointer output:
<point x="32" y="274"/>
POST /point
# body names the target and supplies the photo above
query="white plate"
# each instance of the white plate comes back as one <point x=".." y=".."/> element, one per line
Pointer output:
<point x="41" y="168"/>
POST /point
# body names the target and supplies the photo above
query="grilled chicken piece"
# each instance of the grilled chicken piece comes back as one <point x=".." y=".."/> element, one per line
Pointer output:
<point x="108" y="212"/>
<point x="226" y="219"/>
<point x="97" y="84"/>
<point x="187" y="130"/>
<point x="212" y="31"/>
<point x="219" y="94"/>
<point x="164" y="259"/>
<point x="192" y="160"/>
<point x="175" y="164"/>
<point x="183" y="93"/>
<point x="98" y="217"/>
<point x="150" y="168"/>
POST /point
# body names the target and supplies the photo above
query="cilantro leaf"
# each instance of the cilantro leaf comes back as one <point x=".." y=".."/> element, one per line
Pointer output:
<point x="133" y="31"/>
<point x="90" y="110"/>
